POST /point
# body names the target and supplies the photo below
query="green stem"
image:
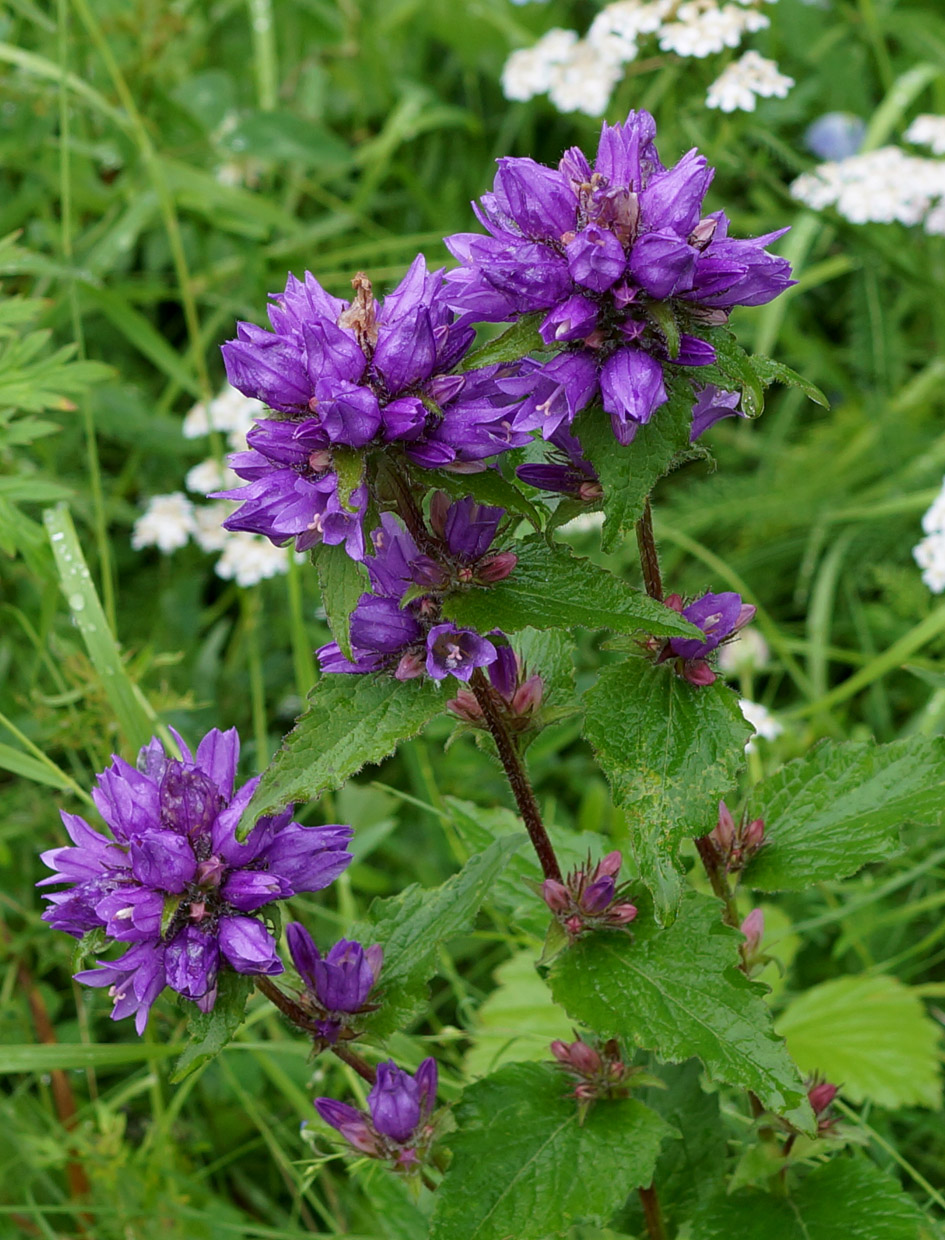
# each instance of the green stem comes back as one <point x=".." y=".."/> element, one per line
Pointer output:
<point x="302" y="659"/>
<point x="649" y="559"/>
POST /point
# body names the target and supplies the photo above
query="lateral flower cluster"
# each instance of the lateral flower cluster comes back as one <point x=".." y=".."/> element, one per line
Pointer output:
<point x="348" y="376"/>
<point x="398" y="625"/>
<point x="397" y="1128"/>
<point x="622" y="264"/>
<point x="174" y="883"/>
<point x="720" y="616"/>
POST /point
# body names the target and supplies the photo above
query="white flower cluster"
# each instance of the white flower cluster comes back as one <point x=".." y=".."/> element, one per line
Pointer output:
<point x="579" y="74"/>
<point x="169" y="522"/>
<point x="744" y="81"/>
<point x="928" y="130"/>
<point x="929" y="554"/>
<point x="885" y="186"/>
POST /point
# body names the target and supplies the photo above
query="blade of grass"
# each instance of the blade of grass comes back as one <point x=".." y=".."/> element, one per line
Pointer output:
<point x="135" y="716"/>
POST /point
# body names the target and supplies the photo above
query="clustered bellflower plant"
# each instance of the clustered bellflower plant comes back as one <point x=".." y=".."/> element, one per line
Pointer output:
<point x="428" y="477"/>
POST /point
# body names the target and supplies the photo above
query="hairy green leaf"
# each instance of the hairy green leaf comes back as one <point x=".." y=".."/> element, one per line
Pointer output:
<point x="342" y="582"/>
<point x="412" y="925"/>
<point x="841" y="806"/>
<point x="869" y="1033"/>
<point x="210" y="1031"/>
<point x="552" y="588"/>
<point x="350" y="721"/>
<point x="517" y="1021"/>
<point x="517" y="341"/>
<point x="737" y="371"/>
<point x="669" y="749"/>
<point x="678" y="992"/>
<point x="524" y="1167"/>
<point x="847" y="1197"/>
<point x="628" y="474"/>
<point x="488" y="487"/>
<point x="770" y="371"/>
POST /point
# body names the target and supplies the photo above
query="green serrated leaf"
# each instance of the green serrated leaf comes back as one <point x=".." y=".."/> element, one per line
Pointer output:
<point x="770" y="371"/>
<point x="523" y="1167"/>
<point x="210" y="1031"/>
<point x="517" y="341"/>
<point x="737" y="370"/>
<point x="847" y="1197"/>
<point x="869" y="1034"/>
<point x="678" y="992"/>
<point x="342" y="582"/>
<point x="841" y="806"/>
<point x="487" y="487"/>
<point x="348" y="464"/>
<point x="411" y="926"/>
<point x="350" y="721"/>
<point x="662" y="314"/>
<point x="551" y="588"/>
<point x="669" y="750"/>
<point x="629" y="474"/>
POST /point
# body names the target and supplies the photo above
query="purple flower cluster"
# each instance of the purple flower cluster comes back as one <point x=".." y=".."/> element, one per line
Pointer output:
<point x="337" y="984"/>
<point x="346" y="377"/>
<point x="516" y="696"/>
<point x="174" y="883"/>
<point x="410" y="638"/>
<point x="720" y="616"/>
<point x="608" y="254"/>
<point x="590" y="898"/>
<point x="397" y="1128"/>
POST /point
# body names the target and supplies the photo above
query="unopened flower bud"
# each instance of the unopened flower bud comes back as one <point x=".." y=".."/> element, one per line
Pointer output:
<point x="755" y="834"/>
<point x="703" y="233"/>
<point x="439" y="507"/>
<point x="319" y="460"/>
<point x="585" y="1059"/>
<point x="674" y="602"/>
<point x="820" y="1096"/>
<point x="753" y="928"/>
<point x="409" y="668"/>
<point x="527" y="697"/>
<point x="598" y="894"/>
<point x="622" y="914"/>
<point x="210" y="872"/>
<point x="555" y="895"/>
<point x="496" y="567"/>
<point x="724" y="833"/>
<point x="590" y="492"/>
<point x="464" y="706"/>
<point x="698" y="672"/>
<point x="561" y="1051"/>
<point x="609" y="865"/>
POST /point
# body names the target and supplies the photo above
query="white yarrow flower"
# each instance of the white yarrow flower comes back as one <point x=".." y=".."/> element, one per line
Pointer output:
<point x="248" y="559"/>
<point x="585" y="82"/>
<point x="167" y="523"/>
<point x="744" y="80"/>
<point x="528" y="72"/>
<point x="230" y="411"/>
<point x="747" y="652"/>
<point x="884" y="186"/>
<point x="928" y="130"/>
<point x="929" y="554"/>
<point x="210" y="475"/>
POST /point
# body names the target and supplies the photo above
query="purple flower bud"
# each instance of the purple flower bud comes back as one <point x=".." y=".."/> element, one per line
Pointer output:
<point x="503" y="672"/>
<point x="621" y="914"/>
<point x="753" y="928"/>
<point x="191" y="960"/>
<point x="555" y="895"/>
<point x="596" y="258"/>
<point x="755" y="834"/>
<point x="717" y="615"/>
<point x="598" y="895"/>
<point x="352" y="1125"/>
<point x="496" y="567"/>
<point x="469" y="528"/>
<point x="631" y="384"/>
<point x="609" y="865"/>
<point x="528" y="696"/>
<point x="248" y="946"/>
<point x="697" y="672"/>
<point x="248" y="890"/>
<point x="672" y="199"/>
<point x="820" y="1096"/>
<point x="395" y="1102"/>
<point x="410" y="667"/>
<point x="382" y="625"/>
<point x="663" y="264"/>
<point x="579" y="1056"/>
<point x="724" y="832"/>
<point x="344" y="977"/>
<point x="303" y="951"/>
<point x="163" y="860"/>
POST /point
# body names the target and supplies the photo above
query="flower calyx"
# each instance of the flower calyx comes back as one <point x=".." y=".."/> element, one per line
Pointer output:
<point x="598" y="1071"/>
<point x="589" y="898"/>
<point x="734" y="844"/>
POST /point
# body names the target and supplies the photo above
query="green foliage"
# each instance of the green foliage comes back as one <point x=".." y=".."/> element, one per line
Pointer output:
<point x="523" y="1165"/>
<point x="518" y="1020"/>
<point x="844" y="1198"/>
<point x="552" y="588"/>
<point x="677" y="991"/>
<point x="210" y="1031"/>
<point x="350" y="720"/>
<point x="841" y="806"/>
<point x="412" y="926"/>
<point x="629" y="474"/>
<point x="670" y="750"/>
<point x="518" y="341"/>
<point x="871" y="1036"/>
<point x="342" y="582"/>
